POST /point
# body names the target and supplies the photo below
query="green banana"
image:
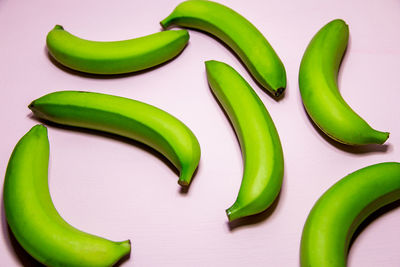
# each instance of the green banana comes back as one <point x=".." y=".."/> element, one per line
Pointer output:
<point x="320" y="94"/>
<point x="259" y="140"/>
<point x="34" y="220"/>
<point x="126" y="117"/>
<point x="340" y="210"/>
<point x="115" y="57"/>
<point x="239" y="34"/>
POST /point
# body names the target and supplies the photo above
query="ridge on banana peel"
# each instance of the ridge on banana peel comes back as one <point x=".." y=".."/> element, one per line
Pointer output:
<point x="125" y="117"/>
<point x="342" y="208"/>
<point x="239" y="34"/>
<point x="319" y="90"/>
<point x="258" y="137"/>
<point x="34" y="220"/>
<point x="115" y="57"/>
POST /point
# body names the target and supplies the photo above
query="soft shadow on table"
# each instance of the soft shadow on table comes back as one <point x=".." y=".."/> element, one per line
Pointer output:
<point x="276" y="98"/>
<point x="254" y="219"/>
<point x="105" y="76"/>
<point x="145" y="148"/>
<point x="386" y="209"/>
<point x="13" y="246"/>
<point x="361" y="149"/>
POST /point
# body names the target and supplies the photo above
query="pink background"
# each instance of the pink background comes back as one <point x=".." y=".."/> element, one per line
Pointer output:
<point x="120" y="191"/>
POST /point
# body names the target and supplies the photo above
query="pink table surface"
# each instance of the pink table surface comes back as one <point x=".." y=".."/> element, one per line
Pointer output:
<point x="120" y="191"/>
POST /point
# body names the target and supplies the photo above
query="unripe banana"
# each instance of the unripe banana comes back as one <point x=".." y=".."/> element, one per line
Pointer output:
<point x="34" y="220"/>
<point x="126" y="117"/>
<point x="320" y="94"/>
<point x="115" y="57"/>
<point x="340" y="210"/>
<point x="239" y="34"/>
<point x="259" y="140"/>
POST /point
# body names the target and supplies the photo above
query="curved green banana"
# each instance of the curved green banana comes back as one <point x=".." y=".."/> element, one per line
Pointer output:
<point x="239" y="34"/>
<point x="320" y="94"/>
<point x="34" y="220"/>
<point x="115" y="57"/>
<point x="259" y="140"/>
<point x="126" y="117"/>
<point x="340" y="210"/>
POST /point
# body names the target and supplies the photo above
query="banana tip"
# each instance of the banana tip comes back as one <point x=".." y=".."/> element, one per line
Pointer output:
<point x="183" y="183"/>
<point x="231" y="214"/>
<point x="279" y="91"/>
<point x="164" y="24"/>
<point x="127" y="243"/>
<point x="58" y="27"/>
<point x="125" y="249"/>
<point x="38" y="130"/>
<point x="385" y="137"/>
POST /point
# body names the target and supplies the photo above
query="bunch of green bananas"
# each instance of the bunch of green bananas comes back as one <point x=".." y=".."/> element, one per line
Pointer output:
<point x="43" y="233"/>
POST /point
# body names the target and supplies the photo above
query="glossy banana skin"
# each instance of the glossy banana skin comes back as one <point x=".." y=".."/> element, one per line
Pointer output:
<point x="126" y="117"/>
<point x="239" y="34"/>
<point x="34" y="220"/>
<point x="259" y="140"/>
<point x="320" y="94"/>
<point x="340" y="210"/>
<point x="115" y="57"/>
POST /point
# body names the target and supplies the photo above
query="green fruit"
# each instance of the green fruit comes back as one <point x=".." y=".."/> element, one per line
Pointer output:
<point x="238" y="33"/>
<point x="115" y="57"/>
<point x="259" y="140"/>
<point x="126" y="117"/>
<point x="320" y="94"/>
<point x="34" y="220"/>
<point x="340" y="210"/>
